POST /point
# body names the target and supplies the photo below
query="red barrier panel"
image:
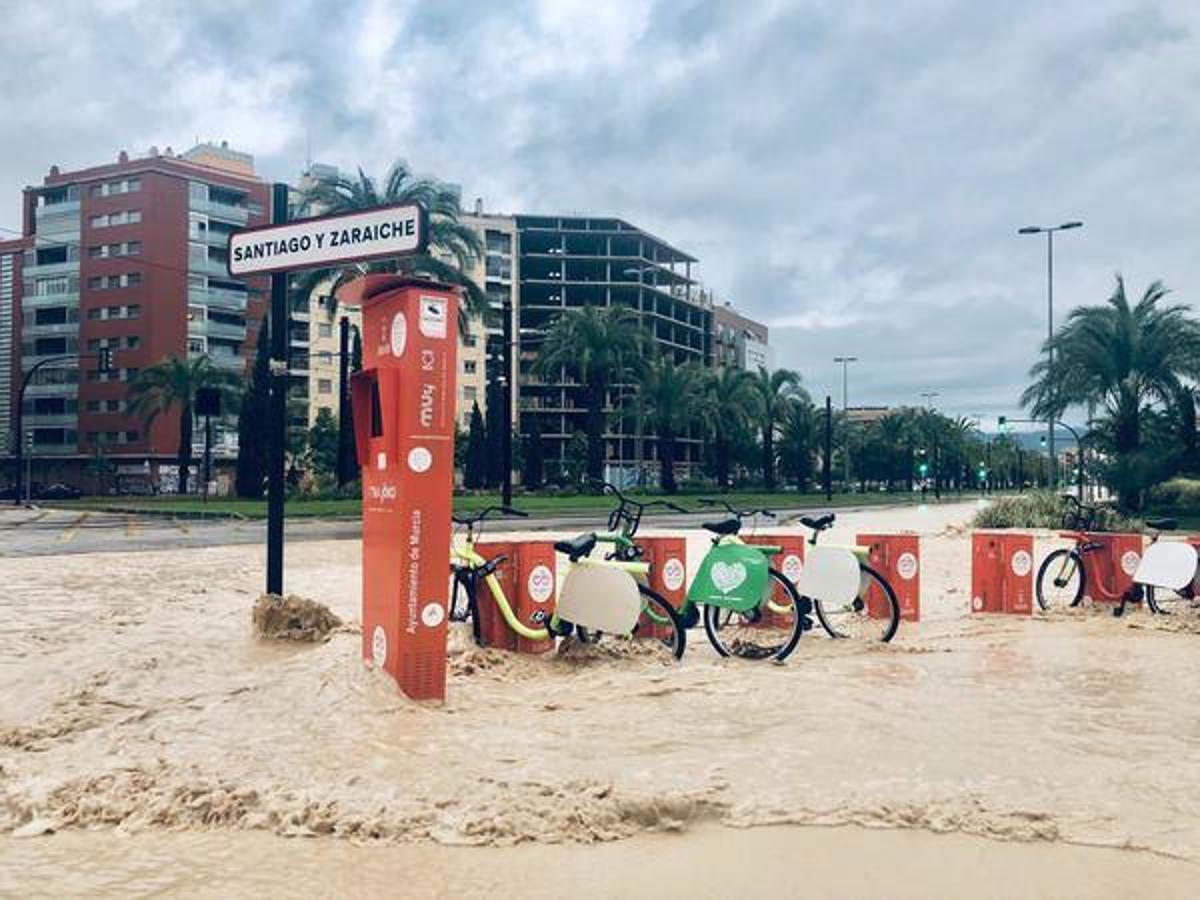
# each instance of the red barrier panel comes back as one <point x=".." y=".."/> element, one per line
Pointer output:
<point x="790" y="561"/>
<point x="1108" y="570"/>
<point x="897" y="557"/>
<point x="493" y="630"/>
<point x="1001" y="572"/>
<point x="404" y="426"/>
<point x="667" y="557"/>
<point x="537" y="584"/>
<point x="527" y="577"/>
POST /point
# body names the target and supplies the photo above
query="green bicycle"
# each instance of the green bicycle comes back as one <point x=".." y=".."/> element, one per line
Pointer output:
<point x="749" y="609"/>
<point x="597" y="596"/>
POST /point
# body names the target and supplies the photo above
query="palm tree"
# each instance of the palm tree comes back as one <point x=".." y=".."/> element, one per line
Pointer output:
<point x="452" y="250"/>
<point x="799" y="437"/>
<point x="594" y="345"/>
<point x="726" y="406"/>
<point x="172" y="383"/>
<point x="772" y="391"/>
<point x="668" y="399"/>
<point x="1125" y="359"/>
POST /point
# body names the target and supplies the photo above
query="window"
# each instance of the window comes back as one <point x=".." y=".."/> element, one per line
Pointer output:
<point x="134" y="216"/>
<point x="96" y="283"/>
<point x="98" y="252"/>
<point x="469" y="366"/>
<point x="133" y="184"/>
<point x="93" y="406"/>
<point x="469" y="392"/>
<point x="94" y="314"/>
<point x="133" y="248"/>
<point x="131" y="437"/>
<point x="196" y="345"/>
<point x="98" y="221"/>
<point x="133" y="279"/>
<point x="325" y="330"/>
<point x="55" y="315"/>
<point x="114" y="312"/>
<point x="133" y="312"/>
<point x="470" y="340"/>
<point x="132" y="342"/>
<point x="57" y="284"/>
<point x="324" y="386"/>
<point x="325" y="357"/>
<point x="113" y="406"/>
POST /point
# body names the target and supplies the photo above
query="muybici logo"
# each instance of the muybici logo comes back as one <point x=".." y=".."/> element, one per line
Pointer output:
<point x="673" y="574"/>
<point x="540" y="583"/>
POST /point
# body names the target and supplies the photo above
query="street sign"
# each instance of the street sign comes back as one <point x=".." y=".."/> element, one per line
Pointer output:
<point x="328" y="240"/>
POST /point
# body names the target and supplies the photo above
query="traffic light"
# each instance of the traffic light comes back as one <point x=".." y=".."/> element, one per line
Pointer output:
<point x="105" y="360"/>
<point x="923" y="468"/>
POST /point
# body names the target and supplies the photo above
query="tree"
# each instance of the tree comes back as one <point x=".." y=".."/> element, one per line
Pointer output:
<point x="453" y="248"/>
<point x="575" y="460"/>
<point x="253" y="417"/>
<point x="1126" y="359"/>
<point x="726" y="407"/>
<point x="172" y="383"/>
<point x="476" y="465"/>
<point x="595" y="345"/>
<point x="772" y="392"/>
<point x="668" y="398"/>
<point x="534" y="473"/>
<point x="323" y="442"/>
<point x="800" y="435"/>
<point x="495" y="424"/>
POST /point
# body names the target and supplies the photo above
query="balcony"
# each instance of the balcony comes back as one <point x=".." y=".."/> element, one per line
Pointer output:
<point x="209" y="266"/>
<point x="226" y="212"/>
<point x="231" y="362"/>
<point x="51" y="390"/>
<point x="69" y="298"/>
<point x="223" y="330"/>
<point x="68" y="329"/>
<point x="219" y="297"/>
<point x="68" y="267"/>
<point x="49" y="420"/>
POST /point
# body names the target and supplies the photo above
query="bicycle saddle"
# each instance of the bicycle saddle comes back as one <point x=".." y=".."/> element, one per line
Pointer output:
<point x="820" y="523"/>
<point x="1162" y="524"/>
<point x="723" y="526"/>
<point x="578" y="546"/>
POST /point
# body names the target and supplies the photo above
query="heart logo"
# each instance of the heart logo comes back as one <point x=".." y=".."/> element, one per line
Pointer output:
<point x="728" y="577"/>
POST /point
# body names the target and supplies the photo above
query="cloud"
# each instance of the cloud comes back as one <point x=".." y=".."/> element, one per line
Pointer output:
<point x="850" y="173"/>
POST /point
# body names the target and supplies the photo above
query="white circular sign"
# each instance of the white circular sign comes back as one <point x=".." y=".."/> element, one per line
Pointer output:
<point x="1129" y="561"/>
<point x="379" y="646"/>
<point x="673" y="574"/>
<point x="399" y="334"/>
<point x="540" y="583"/>
<point x="1022" y="563"/>
<point x="906" y="566"/>
<point x="420" y="459"/>
<point x="977" y="603"/>
<point x="792" y="567"/>
<point x="432" y="614"/>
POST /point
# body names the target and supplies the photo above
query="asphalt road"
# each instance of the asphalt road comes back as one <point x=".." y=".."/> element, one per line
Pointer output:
<point x="53" y="532"/>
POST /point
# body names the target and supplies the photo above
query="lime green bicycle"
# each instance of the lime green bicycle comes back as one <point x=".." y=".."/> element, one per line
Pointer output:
<point x="749" y="610"/>
<point x="598" y="597"/>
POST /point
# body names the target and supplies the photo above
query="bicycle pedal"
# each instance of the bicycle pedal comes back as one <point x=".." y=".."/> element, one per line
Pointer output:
<point x="806" y="624"/>
<point x="804" y="607"/>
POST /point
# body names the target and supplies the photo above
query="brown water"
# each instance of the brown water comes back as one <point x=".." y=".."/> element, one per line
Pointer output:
<point x="137" y="702"/>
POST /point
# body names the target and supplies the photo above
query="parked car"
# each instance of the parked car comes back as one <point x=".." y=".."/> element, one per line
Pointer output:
<point x="59" y="492"/>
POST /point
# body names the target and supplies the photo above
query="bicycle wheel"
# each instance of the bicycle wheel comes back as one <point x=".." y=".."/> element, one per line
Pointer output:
<point x="1165" y="602"/>
<point x="874" y="615"/>
<point x="660" y="627"/>
<point x="764" y="632"/>
<point x="462" y="606"/>
<point x="1060" y="580"/>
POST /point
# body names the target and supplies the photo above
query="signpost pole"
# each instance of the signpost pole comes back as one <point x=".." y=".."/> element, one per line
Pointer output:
<point x="207" y="454"/>
<point x="277" y="426"/>
<point x="343" y="462"/>
<point x="828" y="449"/>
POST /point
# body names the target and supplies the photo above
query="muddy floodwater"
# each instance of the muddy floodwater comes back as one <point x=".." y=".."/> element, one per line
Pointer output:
<point x="149" y="743"/>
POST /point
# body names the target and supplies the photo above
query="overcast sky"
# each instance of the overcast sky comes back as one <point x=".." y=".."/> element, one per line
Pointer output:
<point x="851" y="173"/>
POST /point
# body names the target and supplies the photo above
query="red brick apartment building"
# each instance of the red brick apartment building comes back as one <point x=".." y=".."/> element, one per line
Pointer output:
<point x="128" y="256"/>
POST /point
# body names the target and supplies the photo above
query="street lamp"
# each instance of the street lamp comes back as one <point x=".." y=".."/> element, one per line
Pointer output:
<point x="1049" y="232"/>
<point x="845" y="361"/>
<point x="928" y="396"/>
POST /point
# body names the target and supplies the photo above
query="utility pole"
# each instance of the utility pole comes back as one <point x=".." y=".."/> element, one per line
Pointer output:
<point x="828" y="461"/>
<point x="1049" y="232"/>
<point x="343" y="464"/>
<point x="506" y="398"/>
<point x="845" y="361"/>
<point x="277" y="424"/>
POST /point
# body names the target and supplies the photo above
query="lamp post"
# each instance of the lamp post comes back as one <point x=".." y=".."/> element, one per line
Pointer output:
<point x="1049" y="232"/>
<point x="928" y="396"/>
<point x="845" y="361"/>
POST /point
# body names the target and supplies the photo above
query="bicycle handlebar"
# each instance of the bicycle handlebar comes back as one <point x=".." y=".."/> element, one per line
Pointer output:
<point x="487" y="511"/>
<point x="740" y="513"/>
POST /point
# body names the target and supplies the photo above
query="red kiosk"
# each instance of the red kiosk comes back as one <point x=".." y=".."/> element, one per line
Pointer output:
<point x="403" y="402"/>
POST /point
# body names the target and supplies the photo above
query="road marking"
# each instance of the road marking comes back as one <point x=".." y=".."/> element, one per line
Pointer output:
<point x="71" y="530"/>
<point x="131" y="526"/>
